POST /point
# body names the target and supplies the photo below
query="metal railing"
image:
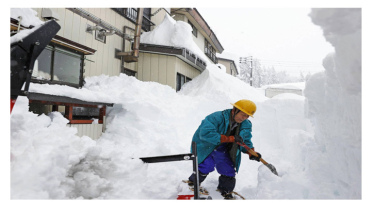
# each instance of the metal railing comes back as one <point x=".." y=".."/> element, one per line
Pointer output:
<point x="211" y="55"/>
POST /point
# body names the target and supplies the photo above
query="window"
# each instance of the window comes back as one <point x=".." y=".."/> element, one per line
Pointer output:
<point x="128" y="72"/>
<point x="194" y="29"/>
<point x="131" y="14"/>
<point x="59" y="65"/>
<point x="181" y="80"/>
<point x="210" y="52"/>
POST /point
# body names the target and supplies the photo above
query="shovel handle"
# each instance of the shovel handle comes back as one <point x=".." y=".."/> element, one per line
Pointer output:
<point x="252" y="152"/>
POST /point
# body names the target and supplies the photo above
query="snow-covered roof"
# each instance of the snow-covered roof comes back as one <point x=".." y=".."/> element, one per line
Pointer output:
<point x="29" y="16"/>
<point x="230" y="56"/>
<point x="173" y="33"/>
<point x="296" y="86"/>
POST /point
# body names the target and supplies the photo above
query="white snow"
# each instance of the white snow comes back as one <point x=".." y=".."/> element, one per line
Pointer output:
<point x="231" y="56"/>
<point x="28" y="18"/>
<point x="295" y="86"/>
<point x="173" y="33"/>
<point x="334" y="103"/>
<point x="316" y="157"/>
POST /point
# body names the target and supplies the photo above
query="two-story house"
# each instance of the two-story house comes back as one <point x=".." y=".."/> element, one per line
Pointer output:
<point x="95" y="41"/>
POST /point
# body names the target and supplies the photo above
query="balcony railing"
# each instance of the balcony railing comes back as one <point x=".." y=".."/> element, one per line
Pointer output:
<point x="131" y="14"/>
<point x="211" y="55"/>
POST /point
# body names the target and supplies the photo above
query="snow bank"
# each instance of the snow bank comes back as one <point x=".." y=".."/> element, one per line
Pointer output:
<point x="48" y="161"/>
<point x="295" y="86"/>
<point x="173" y="33"/>
<point x="334" y="103"/>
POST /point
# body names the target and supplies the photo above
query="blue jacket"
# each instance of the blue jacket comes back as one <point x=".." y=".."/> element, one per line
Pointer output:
<point x="208" y="135"/>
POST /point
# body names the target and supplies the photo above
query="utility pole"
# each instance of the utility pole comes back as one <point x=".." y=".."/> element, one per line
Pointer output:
<point x="247" y="60"/>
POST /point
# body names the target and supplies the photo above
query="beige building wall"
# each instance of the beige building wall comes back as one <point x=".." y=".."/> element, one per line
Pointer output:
<point x="226" y="64"/>
<point x="150" y="67"/>
<point x="159" y="17"/>
<point x="93" y="131"/>
<point x="163" y="69"/>
<point x="73" y="27"/>
<point x="200" y="41"/>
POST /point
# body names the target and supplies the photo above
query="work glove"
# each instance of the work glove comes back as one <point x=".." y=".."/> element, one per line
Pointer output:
<point x="238" y="139"/>
<point x="252" y="157"/>
<point x="231" y="139"/>
<point x="227" y="139"/>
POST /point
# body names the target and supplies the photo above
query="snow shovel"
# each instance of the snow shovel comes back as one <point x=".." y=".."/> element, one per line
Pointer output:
<point x="271" y="167"/>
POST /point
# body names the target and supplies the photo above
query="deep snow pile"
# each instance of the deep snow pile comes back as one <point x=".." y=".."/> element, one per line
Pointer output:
<point x="334" y="103"/>
<point x="295" y="85"/>
<point x="150" y="119"/>
<point x="48" y="161"/>
<point x="173" y="33"/>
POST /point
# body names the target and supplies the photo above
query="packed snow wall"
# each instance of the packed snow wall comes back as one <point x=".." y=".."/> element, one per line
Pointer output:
<point x="333" y="103"/>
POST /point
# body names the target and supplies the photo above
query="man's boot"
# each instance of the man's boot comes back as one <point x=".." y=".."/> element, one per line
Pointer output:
<point x="226" y="185"/>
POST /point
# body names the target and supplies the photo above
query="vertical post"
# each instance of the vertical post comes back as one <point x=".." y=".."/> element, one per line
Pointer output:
<point x="69" y="113"/>
<point x="195" y="171"/>
<point x="102" y="114"/>
<point x="251" y="71"/>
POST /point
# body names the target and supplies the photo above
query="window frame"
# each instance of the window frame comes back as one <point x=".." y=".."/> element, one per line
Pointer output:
<point x="128" y="72"/>
<point x="53" y="47"/>
<point x="131" y="13"/>
<point x="179" y="84"/>
<point x="210" y="52"/>
<point x="194" y="29"/>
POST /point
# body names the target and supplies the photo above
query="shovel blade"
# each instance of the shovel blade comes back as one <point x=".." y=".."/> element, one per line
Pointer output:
<point x="272" y="169"/>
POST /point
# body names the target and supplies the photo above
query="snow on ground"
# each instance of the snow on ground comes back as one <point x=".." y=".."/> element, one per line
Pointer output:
<point x="334" y="103"/>
<point x="48" y="161"/>
<point x="295" y="85"/>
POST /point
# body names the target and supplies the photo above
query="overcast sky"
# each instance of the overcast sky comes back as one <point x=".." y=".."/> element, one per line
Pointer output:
<point x="283" y="37"/>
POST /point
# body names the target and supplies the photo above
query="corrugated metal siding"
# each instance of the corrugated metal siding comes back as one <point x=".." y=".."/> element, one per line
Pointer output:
<point x="164" y="68"/>
<point x="170" y="71"/>
<point x="73" y="27"/>
<point x="157" y="68"/>
<point x="186" y="69"/>
<point x="93" y="131"/>
<point x="158" y="18"/>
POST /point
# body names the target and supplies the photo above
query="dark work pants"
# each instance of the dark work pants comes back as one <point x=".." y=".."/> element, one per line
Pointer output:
<point x="219" y="159"/>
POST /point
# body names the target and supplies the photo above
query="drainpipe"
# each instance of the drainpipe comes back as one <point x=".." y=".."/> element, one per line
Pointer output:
<point x="132" y="56"/>
<point x="138" y="30"/>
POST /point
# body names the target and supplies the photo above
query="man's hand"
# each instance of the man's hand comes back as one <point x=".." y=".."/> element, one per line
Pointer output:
<point x="252" y="157"/>
<point x="238" y="139"/>
<point x="231" y="139"/>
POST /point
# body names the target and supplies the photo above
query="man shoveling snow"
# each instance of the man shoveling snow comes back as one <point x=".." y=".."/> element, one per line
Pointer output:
<point x="217" y="140"/>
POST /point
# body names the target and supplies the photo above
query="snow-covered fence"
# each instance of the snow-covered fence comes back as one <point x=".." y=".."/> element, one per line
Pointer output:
<point x="271" y="92"/>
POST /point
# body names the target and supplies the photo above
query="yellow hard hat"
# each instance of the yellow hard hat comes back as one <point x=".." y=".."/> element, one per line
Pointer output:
<point x="246" y="106"/>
